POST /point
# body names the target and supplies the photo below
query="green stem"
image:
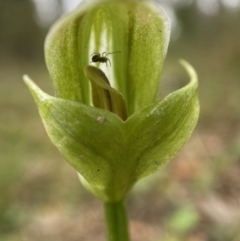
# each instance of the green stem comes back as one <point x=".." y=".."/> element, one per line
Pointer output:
<point x="117" y="221"/>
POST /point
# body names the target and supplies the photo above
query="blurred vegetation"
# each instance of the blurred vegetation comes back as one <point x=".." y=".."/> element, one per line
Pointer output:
<point x="20" y="35"/>
<point x="195" y="198"/>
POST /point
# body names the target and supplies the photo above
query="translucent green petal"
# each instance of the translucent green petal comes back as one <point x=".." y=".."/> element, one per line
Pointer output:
<point x="140" y="30"/>
<point x="66" y="54"/>
<point x="149" y="30"/>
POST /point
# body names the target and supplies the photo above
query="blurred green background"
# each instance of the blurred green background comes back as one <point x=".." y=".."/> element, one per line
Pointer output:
<point x="195" y="198"/>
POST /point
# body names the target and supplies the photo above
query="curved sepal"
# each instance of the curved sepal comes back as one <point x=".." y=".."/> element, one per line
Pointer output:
<point x="158" y="132"/>
<point x="90" y="139"/>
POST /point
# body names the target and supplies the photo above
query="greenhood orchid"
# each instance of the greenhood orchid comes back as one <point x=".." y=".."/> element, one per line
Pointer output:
<point x="106" y="120"/>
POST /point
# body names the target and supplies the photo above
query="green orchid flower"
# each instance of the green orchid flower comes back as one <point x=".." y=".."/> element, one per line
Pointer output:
<point x="106" y="120"/>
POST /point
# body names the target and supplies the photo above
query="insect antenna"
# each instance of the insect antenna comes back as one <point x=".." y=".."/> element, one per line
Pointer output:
<point x="113" y="52"/>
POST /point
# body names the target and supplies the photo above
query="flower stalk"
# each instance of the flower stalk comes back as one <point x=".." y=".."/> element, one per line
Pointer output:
<point x="116" y="221"/>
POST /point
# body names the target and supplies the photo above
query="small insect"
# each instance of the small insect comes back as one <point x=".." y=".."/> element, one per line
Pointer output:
<point x="97" y="57"/>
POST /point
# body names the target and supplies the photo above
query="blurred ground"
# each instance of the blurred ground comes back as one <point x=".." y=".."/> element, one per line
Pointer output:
<point x="195" y="198"/>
